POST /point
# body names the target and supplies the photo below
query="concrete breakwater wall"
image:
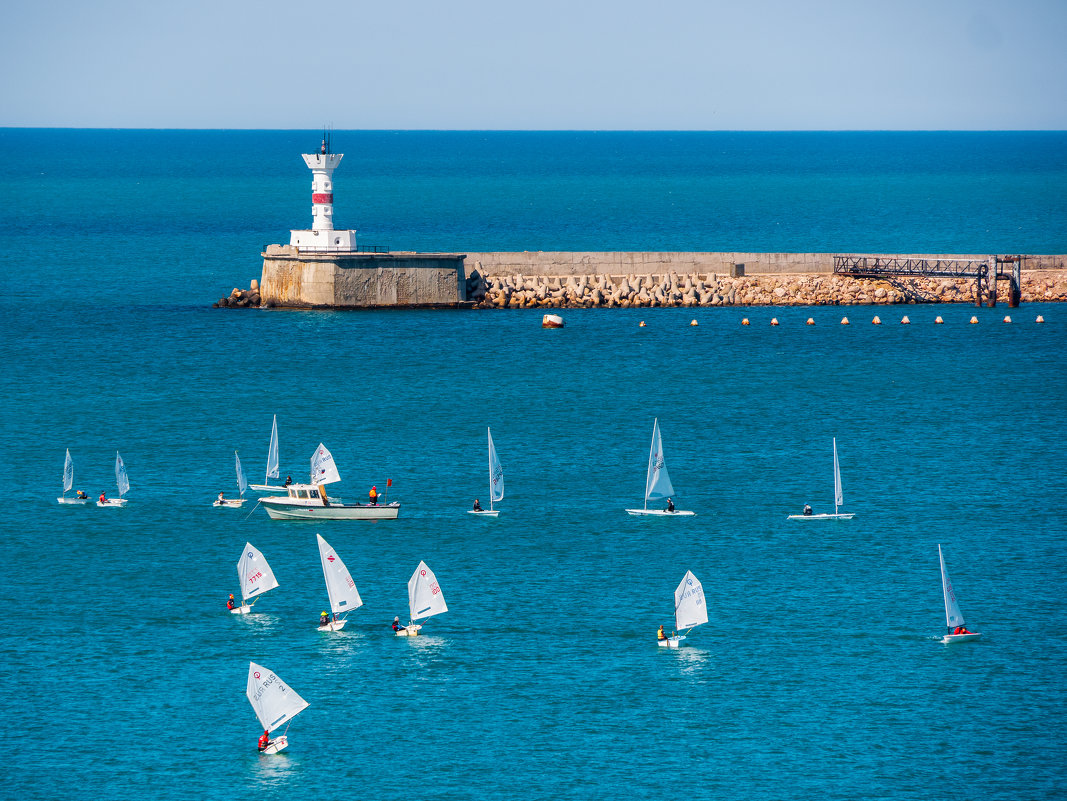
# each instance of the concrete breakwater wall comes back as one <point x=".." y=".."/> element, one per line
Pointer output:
<point x="559" y="280"/>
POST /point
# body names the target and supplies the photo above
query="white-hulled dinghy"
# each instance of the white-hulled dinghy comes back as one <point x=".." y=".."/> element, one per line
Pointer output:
<point x="68" y="483"/>
<point x="496" y="482"/>
<point x="953" y="615"/>
<point x="275" y="703"/>
<point x="256" y="578"/>
<point x="690" y="609"/>
<point x="344" y="597"/>
<point x="839" y="499"/>
<point x="425" y="599"/>
<point x="242" y="485"/>
<point x="122" y="481"/>
<point x="657" y="482"/>
<point x="272" y="463"/>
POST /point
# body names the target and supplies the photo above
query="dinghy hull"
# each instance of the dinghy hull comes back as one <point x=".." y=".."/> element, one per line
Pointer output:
<point x="112" y="503"/>
<point x="243" y="609"/>
<point x="484" y="512"/>
<point x="660" y="513"/>
<point x="840" y="516"/>
<point x="948" y="639"/>
<point x="234" y="503"/>
<point x="333" y="625"/>
<point x="266" y="488"/>
<point x="411" y="630"/>
<point x="73" y="500"/>
<point x="671" y="642"/>
<point x="276" y="745"/>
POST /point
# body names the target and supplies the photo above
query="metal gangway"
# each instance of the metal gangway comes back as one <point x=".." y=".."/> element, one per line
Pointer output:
<point x="985" y="272"/>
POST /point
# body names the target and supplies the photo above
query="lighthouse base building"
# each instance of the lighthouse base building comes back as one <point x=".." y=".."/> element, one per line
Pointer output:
<point x="323" y="268"/>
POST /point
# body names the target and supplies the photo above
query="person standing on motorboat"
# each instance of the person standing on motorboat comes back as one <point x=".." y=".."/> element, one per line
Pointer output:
<point x="373" y="496"/>
<point x="288" y="480"/>
<point x="807" y="509"/>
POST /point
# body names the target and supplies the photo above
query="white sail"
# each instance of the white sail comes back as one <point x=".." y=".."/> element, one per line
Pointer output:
<point x="323" y="469"/>
<point x="274" y="701"/>
<point x="496" y="474"/>
<point x="272" y="452"/>
<point x="838" y="497"/>
<point x="254" y="572"/>
<point x="424" y="594"/>
<point x="690" y="608"/>
<point x="242" y="482"/>
<point x="339" y="585"/>
<point x="953" y="615"/>
<point x="121" y="479"/>
<point x="68" y="473"/>
<point x="658" y="483"/>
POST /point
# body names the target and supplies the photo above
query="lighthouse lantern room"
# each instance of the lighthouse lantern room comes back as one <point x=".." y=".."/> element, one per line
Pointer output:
<point x="323" y="236"/>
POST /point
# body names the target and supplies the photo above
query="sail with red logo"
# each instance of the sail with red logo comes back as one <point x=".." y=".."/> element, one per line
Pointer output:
<point x="255" y="576"/>
<point x="274" y="702"/>
<point x="344" y="597"/>
<point x="425" y="599"/>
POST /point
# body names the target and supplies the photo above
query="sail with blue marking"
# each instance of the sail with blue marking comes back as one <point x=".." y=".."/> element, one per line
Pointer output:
<point x="425" y="598"/>
<point x="657" y="483"/>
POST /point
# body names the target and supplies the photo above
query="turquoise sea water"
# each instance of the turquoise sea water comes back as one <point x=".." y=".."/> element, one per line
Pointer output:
<point x="819" y="675"/>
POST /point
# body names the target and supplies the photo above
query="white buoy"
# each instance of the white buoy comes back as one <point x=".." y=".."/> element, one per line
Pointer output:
<point x="877" y="320"/>
<point x="810" y="322"/>
<point x="1007" y="318"/>
<point x="774" y="321"/>
<point x="938" y="321"/>
<point x="844" y="321"/>
<point x="693" y="322"/>
<point x="904" y="320"/>
<point x="744" y="321"/>
<point x="973" y="321"/>
<point x="1040" y="319"/>
<point x="641" y="324"/>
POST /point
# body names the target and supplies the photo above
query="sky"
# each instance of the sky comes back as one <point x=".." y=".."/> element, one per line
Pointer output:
<point x="544" y="65"/>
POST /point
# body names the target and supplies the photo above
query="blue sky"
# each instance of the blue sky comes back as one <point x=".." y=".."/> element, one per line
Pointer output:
<point x="553" y="64"/>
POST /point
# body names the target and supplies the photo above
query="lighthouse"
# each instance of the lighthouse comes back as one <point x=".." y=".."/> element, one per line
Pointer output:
<point x="322" y="237"/>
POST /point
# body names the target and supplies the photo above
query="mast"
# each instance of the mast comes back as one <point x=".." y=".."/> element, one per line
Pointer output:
<point x="651" y="453"/>
<point x="489" y="456"/>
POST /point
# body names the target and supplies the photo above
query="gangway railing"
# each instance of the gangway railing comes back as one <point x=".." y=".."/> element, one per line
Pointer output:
<point x="987" y="271"/>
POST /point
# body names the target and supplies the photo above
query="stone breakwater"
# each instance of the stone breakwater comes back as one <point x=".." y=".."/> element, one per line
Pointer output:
<point x="704" y="289"/>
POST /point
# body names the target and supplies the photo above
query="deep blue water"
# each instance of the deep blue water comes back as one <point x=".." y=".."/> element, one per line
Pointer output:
<point x="819" y="674"/>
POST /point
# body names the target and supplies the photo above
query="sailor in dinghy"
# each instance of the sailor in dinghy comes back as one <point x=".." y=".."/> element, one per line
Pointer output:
<point x="122" y="481"/>
<point x="425" y="599"/>
<point x="242" y="485"/>
<point x="68" y="483"/>
<point x="955" y="630"/>
<point x="690" y="611"/>
<point x="341" y="589"/>
<point x="658" y="483"/>
<point x="255" y="576"/>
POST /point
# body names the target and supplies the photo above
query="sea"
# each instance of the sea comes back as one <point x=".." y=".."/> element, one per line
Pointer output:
<point x="820" y="673"/>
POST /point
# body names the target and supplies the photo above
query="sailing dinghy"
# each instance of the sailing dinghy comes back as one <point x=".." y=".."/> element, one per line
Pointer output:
<point x="953" y="615"/>
<point x="657" y="482"/>
<point x="256" y="578"/>
<point x="122" y="481"/>
<point x="275" y="703"/>
<point x="344" y="597"/>
<point x="496" y="482"/>
<point x="838" y="498"/>
<point x="690" y="609"/>
<point x="68" y="483"/>
<point x="242" y="485"/>
<point x="424" y="599"/>
<point x="272" y="463"/>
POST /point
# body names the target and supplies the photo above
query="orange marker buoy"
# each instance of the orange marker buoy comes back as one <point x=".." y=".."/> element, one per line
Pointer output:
<point x="877" y="320"/>
<point x="774" y="321"/>
<point x="905" y="321"/>
<point x="744" y="321"/>
<point x="810" y="322"/>
<point x="844" y="321"/>
<point x="1007" y="319"/>
<point x="938" y="321"/>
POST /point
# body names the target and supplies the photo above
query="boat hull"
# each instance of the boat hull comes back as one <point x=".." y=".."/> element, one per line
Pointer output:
<point x="671" y="642"/>
<point x="333" y="625"/>
<point x="243" y="609"/>
<point x="841" y="516"/>
<point x="411" y="630"/>
<point x="660" y="513"/>
<point x="234" y="503"/>
<point x="283" y="510"/>
<point x="266" y="488"/>
<point x="112" y="503"/>
<point x="552" y="321"/>
<point x="484" y="512"/>
<point x="948" y="639"/>
<point x="276" y="745"/>
<point x="81" y="501"/>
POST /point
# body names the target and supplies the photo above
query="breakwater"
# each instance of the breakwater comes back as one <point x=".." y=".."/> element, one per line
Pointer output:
<point x="623" y="280"/>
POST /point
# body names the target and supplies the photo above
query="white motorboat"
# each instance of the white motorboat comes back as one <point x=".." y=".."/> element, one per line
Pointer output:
<point x="310" y="501"/>
<point x="425" y="599"/>
<point x="274" y="702"/>
<point x="242" y="485"/>
<point x="272" y="463"/>
<point x="838" y="499"/>
<point x="122" y="481"/>
<point x="68" y="483"/>
<point x="953" y="615"/>
<point x="690" y="610"/>
<point x="255" y="576"/>
<point x="657" y="482"/>
<point x="341" y="589"/>
<point x="496" y="482"/>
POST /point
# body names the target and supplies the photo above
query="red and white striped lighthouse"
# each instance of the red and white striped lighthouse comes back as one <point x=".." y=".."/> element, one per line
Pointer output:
<point x="322" y="235"/>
